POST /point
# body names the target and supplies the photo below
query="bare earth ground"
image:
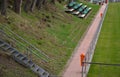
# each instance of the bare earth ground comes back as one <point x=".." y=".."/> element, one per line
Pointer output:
<point x="74" y="69"/>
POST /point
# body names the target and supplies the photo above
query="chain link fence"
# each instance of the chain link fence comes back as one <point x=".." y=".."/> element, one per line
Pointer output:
<point x="90" y="51"/>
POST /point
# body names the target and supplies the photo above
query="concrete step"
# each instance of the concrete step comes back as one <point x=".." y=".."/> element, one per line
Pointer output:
<point x="18" y="55"/>
<point x="21" y="56"/>
<point x="35" y="68"/>
<point x="11" y="50"/>
<point x="6" y="46"/>
<point x="25" y="60"/>
<point x="22" y="59"/>
<point x="30" y="63"/>
<point x="2" y="44"/>
<point x="40" y="71"/>
<point x="45" y="74"/>
<point x="15" y="53"/>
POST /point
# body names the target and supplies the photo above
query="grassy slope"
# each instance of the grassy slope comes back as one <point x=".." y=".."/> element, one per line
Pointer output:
<point x="108" y="47"/>
<point x="53" y="31"/>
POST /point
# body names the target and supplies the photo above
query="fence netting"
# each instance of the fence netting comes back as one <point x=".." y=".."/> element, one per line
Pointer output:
<point x="101" y="69"/>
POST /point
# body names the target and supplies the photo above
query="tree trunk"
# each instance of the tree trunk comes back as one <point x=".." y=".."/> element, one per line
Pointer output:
<point x="44" y="2"/>
<point x="3" y="7"/>
<point x="27" y="5"/>
<point x="39" y="4"/>
<point x="53" y="1"/>
<point x="17" y="6"/>
<point x="0" y="6"/>
<point x="33" y="5"/>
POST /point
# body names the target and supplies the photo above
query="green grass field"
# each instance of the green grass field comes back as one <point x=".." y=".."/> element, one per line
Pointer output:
<point x="108" y="46"/>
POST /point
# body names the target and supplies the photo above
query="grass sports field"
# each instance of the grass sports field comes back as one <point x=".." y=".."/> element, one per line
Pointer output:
<point x="108" y="46"/>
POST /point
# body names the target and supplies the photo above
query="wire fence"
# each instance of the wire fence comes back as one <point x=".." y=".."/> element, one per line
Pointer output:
<point x="90" y="51"/>
<point x="103" y="69"/>
<point x="114" y="0"/>
<point x="22" y="45"/>
<point x="29" y="50"/>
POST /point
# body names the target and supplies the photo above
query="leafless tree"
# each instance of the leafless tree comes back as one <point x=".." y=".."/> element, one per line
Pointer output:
<point x="33" y="5"/>
<point x="53" y="1"/>
<point x="39" y="4"/>
<point x="17" y="6"/>
<point x="3" y="6"/>
<point x="27" y="5"/>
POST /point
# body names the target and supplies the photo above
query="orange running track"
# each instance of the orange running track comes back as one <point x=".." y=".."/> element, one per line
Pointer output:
<point x="74" y="69"/>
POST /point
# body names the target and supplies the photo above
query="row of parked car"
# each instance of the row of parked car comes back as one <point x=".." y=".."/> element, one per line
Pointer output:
<point x="78" y="9"/>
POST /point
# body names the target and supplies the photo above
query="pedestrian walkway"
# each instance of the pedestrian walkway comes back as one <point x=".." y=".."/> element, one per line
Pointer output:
<point x="74" y="68"/>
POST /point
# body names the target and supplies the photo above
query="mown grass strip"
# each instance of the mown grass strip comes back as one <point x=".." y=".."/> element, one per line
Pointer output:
<point x="108" y="46"/>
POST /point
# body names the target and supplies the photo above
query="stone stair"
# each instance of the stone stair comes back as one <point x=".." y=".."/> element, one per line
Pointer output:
<point x="22" y="59"/>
